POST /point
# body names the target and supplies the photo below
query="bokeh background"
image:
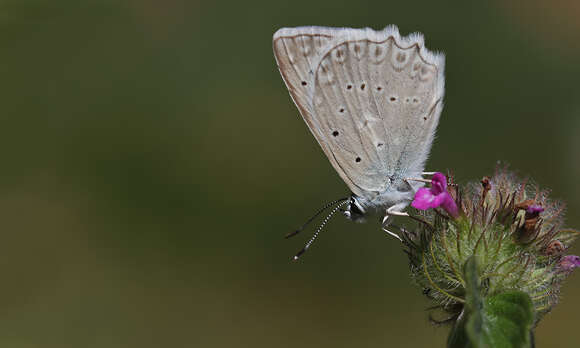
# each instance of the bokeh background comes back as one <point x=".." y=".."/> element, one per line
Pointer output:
<point x="152" y="161"/>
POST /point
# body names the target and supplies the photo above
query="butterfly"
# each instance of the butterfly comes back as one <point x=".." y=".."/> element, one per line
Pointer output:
<point x="372" y="100"/>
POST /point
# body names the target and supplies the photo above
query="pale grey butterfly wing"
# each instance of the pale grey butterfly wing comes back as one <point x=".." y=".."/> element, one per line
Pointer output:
<point x="371" y="99"/>
<point x="298" y="52"/>
<point x="378" y="98"/>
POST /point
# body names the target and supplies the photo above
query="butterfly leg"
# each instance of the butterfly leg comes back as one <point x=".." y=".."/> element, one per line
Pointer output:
<point x="417" y="179"/>
<point x="393" y="234"/>
<point x="395" y="210"/>
<point x="427" y="181"/>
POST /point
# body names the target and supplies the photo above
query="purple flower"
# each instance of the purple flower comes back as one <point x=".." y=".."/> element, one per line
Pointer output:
<point x="436" y="196"/>
<point x="534" y="209"/>
<point x="569" y="262"/>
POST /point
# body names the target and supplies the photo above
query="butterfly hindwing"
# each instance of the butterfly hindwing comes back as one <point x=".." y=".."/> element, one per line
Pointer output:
<point x="371" y="99"/>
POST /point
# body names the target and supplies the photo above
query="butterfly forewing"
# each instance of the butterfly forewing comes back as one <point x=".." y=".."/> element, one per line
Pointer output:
<point x="297" y="56"/>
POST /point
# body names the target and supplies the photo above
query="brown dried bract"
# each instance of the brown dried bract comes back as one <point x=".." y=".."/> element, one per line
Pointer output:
<point x="486" y="184"/>
<point x="555" y="247"/>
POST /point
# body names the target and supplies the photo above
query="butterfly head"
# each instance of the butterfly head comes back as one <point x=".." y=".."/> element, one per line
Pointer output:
<point x="355" y="210"/>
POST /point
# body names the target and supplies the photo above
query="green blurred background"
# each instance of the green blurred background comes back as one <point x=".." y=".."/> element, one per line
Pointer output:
<point x="152" y="161"/>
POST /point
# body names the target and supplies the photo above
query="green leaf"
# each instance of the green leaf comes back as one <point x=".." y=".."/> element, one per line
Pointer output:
<point x="500" y="321"/>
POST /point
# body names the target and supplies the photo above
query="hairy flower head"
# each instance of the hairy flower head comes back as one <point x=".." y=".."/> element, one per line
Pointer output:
<point x="509" y="226"/>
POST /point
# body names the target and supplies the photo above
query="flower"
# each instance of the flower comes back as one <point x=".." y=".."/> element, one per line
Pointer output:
<point x="436" y="196"/>
<point x="569" y="262"/>
<point x="534" y="209"/>
<point x="510" y="228"/>
<point x="529" y="229"/>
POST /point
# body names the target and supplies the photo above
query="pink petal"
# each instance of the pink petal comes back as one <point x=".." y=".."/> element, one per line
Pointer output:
<point x="436" y="196"/>
<point x="438" y="183"/>
<point x="570" y="262"/>
<point x="440" y="199"/>
<point x="423" y="199"/>
<point x="450" y="206"/>
<point x="534" y="209"/>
